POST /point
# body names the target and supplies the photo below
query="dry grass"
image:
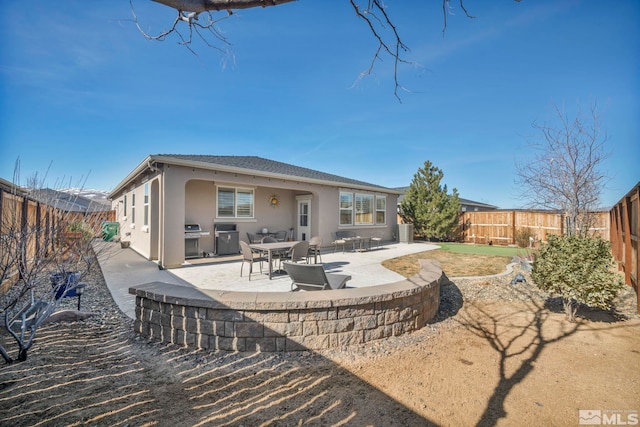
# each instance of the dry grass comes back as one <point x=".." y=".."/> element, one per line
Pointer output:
<point x="453" y="264"/>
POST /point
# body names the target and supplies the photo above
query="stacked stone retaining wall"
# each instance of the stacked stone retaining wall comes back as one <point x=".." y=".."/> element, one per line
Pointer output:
<point x="286" y="321"/>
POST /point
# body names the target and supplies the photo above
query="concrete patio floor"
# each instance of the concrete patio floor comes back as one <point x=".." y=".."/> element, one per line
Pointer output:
<point x="365" y="269"/>
<point x="123" y="268"/>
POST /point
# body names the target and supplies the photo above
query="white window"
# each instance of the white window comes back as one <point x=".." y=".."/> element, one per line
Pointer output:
<point x="146" y="204"/>
<point x="304" y="215"/>
<point x="364" y="209"/>
<point x="133" y="208"/>
<point x="381" y="210"/>
<point x="346" y="209"/>
<point x="235" y="202"/>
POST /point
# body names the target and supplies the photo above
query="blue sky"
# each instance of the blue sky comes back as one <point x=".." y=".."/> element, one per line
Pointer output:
<point x="87" y="98"/>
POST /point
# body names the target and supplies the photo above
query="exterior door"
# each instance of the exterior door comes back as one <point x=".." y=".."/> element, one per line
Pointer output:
<point x="304" y="218"/>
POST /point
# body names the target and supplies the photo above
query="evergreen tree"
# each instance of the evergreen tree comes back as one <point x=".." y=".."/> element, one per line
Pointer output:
<point x="426" y="204"/>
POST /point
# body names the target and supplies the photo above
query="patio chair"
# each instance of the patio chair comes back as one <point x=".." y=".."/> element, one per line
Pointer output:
<point x="281" y="235"/>
<point x="312" y="277"/>
<point x="298" y="252"/>
<point x="252" y="238"/>
<point x="376" y="237"/>
<point x="249" y="256"/>
<point x="275" y="255"/>
<point x="315" y="243"/>
<point x="338" y="240"/>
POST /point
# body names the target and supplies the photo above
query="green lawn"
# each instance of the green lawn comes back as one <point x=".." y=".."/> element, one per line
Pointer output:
<point x="463" y="248"/>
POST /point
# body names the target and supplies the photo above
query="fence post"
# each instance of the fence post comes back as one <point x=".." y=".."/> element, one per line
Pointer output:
<point x="24" y="227"/>
<point x="38" y="228"/>
<point x="513" y="227"/>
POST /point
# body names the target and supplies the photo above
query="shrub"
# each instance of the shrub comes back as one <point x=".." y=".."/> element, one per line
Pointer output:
<point x="523" y="235"/>
<point x="81" y="227"/>
<point x="579" y="269"/>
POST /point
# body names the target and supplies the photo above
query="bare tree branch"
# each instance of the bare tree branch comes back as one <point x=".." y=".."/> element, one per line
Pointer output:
<point x="199" y="6"/>
<point x="395" y="50"/>
<point x="374" y="13"/>
<point x="565" y="173"/>
<point x="446" y="9"/>
<point x="192" y="20"/>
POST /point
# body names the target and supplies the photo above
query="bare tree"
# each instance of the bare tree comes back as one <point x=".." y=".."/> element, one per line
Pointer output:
<point x="566" y="171"/>
<point x="197" y="17"/>
<point x="45" y="250"/>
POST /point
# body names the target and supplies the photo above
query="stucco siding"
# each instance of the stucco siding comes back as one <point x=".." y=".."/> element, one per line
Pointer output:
<point x="189" y="195"/>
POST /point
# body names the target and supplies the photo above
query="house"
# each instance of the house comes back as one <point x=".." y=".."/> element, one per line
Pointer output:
<point x="467" y="205"/>
<point x="165" y="192"/>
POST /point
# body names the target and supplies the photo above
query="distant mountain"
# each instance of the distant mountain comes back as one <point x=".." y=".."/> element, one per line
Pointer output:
<point x="73" y="199"/>
<point x="96" y="195"/>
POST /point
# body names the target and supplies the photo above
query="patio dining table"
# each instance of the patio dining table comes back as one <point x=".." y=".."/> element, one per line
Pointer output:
<point x="270" y="248"/>
<point x="361" y="243"/>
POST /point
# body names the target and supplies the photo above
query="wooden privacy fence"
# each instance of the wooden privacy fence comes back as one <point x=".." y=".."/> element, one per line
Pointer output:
<point x="35" y="229"/>
<point x="505" y="227"/>
<point x="625" y="217"/>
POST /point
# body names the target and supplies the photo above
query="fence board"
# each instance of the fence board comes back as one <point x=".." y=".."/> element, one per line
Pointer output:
<point x="625" y="218"/>
<point x="37" y="225"/>
<point x="502" y="227"/>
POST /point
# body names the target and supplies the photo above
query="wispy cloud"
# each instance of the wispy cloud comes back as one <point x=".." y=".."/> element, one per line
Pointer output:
<point x="523" y="16"/>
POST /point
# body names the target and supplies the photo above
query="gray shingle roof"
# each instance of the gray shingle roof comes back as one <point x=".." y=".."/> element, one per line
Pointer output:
<point x="254" y="163"/>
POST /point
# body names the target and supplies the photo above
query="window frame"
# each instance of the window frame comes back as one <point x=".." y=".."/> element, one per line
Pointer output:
<point x="382" y="210"/>
<point x="145" y="204"/>
<point x="362" y="200"/>
<point x="303" y="218"/>
<point x="237" y="203"/>
<point x="133" y="207"/>
<point x="353" y="208"/>
<point x="342" y="209"/>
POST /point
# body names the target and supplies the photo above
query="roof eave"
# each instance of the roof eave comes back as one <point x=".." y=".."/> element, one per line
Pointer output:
<point x="245" y="171"/>
<point x="132" y="176"/>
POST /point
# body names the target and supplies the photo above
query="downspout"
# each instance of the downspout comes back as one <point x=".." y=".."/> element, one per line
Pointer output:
<point x="160" y="220"/>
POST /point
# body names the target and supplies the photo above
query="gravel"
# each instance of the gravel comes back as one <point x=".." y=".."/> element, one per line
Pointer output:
<point x="499" y="288"/>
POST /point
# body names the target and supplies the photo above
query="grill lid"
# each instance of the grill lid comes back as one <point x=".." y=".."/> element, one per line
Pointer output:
<point x="221" y="226"/>
<point x="192" y="228"/>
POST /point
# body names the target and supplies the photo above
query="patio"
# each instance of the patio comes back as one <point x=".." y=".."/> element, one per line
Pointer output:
<point x="222" y="311"/>
<point x="365" y="268"/>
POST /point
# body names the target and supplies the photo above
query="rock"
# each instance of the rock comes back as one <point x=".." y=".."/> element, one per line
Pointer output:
<point x="518" y="279"/>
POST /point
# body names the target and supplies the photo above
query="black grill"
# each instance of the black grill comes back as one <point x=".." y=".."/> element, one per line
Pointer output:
<point x="227" y="239"/>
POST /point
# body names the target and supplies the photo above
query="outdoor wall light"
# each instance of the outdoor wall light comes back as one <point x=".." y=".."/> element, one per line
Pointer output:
<point x="274" y="200"/>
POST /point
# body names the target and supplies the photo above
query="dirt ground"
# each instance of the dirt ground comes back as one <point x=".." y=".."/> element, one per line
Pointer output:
<point x="509" y="362"/>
